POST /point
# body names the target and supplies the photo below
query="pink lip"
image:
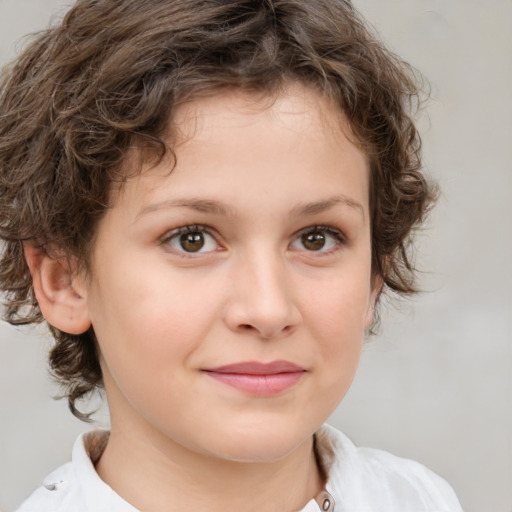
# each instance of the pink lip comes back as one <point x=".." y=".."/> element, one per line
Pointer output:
<point x="261" y="379"/>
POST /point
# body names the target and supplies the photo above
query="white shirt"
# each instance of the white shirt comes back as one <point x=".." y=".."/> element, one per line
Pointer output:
<point x="358" y="480"/>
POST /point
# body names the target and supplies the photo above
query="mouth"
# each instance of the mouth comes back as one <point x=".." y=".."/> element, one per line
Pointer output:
<point x="258" y="379"/>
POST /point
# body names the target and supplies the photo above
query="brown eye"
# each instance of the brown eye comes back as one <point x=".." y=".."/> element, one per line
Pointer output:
<point x="320" y="239"/>
<point x="192" y="242"/>
<point x="313" y="241"/>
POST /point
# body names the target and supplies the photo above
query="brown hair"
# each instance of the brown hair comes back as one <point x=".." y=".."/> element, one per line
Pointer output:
<point x="112" y="73"/>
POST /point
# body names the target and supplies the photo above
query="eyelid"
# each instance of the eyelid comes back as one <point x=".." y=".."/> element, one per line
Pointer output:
<point x="336" y="233"/>
<point x="189" y="228"/>
<point x="323" y="228"/>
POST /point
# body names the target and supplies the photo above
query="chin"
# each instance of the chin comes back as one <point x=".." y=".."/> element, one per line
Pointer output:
<point x="263" y="454"/>
<point x="260" y="445"/>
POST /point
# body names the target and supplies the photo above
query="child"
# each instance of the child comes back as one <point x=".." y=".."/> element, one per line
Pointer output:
<point x="204" y="200"/>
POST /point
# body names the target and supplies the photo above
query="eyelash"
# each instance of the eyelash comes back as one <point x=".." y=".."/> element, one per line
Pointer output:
<point x="336" y="234"/>
<point x="191" y="228"/>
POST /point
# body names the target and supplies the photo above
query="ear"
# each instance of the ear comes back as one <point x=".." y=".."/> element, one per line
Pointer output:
<point x="60" y="294"/>
<point x="376" y="289"/>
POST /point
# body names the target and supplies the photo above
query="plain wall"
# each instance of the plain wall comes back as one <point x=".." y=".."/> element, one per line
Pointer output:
<point x="436" y="386"/>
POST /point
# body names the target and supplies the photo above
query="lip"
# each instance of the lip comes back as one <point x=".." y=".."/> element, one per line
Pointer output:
<point x="259" y="379"/>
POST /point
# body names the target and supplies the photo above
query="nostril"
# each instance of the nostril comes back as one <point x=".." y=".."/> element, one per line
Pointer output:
<point x="253" y="329"/>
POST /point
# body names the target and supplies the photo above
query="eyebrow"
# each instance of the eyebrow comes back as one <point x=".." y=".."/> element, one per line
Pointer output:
<point x="199" y="205"/>
<point x="219" y="208"/>
<point x="326" y="204"/>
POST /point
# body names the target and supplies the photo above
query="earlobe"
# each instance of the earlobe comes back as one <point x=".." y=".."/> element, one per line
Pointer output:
<point x="60" y="295"/>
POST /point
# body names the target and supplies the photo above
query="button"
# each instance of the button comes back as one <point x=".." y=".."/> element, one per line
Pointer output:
<point x="53" y="486"/>
<point x="325" y="501"/>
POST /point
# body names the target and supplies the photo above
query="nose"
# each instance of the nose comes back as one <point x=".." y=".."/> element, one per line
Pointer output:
<point x="262" y="300"/>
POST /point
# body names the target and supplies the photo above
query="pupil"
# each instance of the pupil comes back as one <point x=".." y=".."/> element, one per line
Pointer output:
<point x="192" y="242"/>
<point x="313" y="241"/>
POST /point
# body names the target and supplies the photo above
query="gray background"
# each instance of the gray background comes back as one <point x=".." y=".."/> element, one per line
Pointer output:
<point x="436" y="386"/>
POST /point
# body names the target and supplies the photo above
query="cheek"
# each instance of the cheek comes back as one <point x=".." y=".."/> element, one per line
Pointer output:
<point x="151" y="322"/>
<point x="339" y="306"/>
<point x="336" y="317"/>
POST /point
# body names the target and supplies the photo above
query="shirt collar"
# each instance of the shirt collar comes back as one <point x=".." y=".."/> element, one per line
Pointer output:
<point x="90" y="446"/>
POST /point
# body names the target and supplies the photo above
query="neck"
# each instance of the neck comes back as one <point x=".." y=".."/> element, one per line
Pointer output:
<point x="171" y="477"/>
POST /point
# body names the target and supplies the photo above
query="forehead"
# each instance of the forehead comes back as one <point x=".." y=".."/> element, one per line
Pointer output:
<point x="296" y="135"/>
<point x="231" y="108"/>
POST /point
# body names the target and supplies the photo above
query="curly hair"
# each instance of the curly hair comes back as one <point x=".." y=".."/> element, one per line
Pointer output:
<point x="112" y="73"/>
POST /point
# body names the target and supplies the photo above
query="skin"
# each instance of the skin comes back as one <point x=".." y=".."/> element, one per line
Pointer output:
<point x="252" y="174"/>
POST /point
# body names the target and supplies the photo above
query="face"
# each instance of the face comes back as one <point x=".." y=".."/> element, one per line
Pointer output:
<point x="230" y="296"/>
